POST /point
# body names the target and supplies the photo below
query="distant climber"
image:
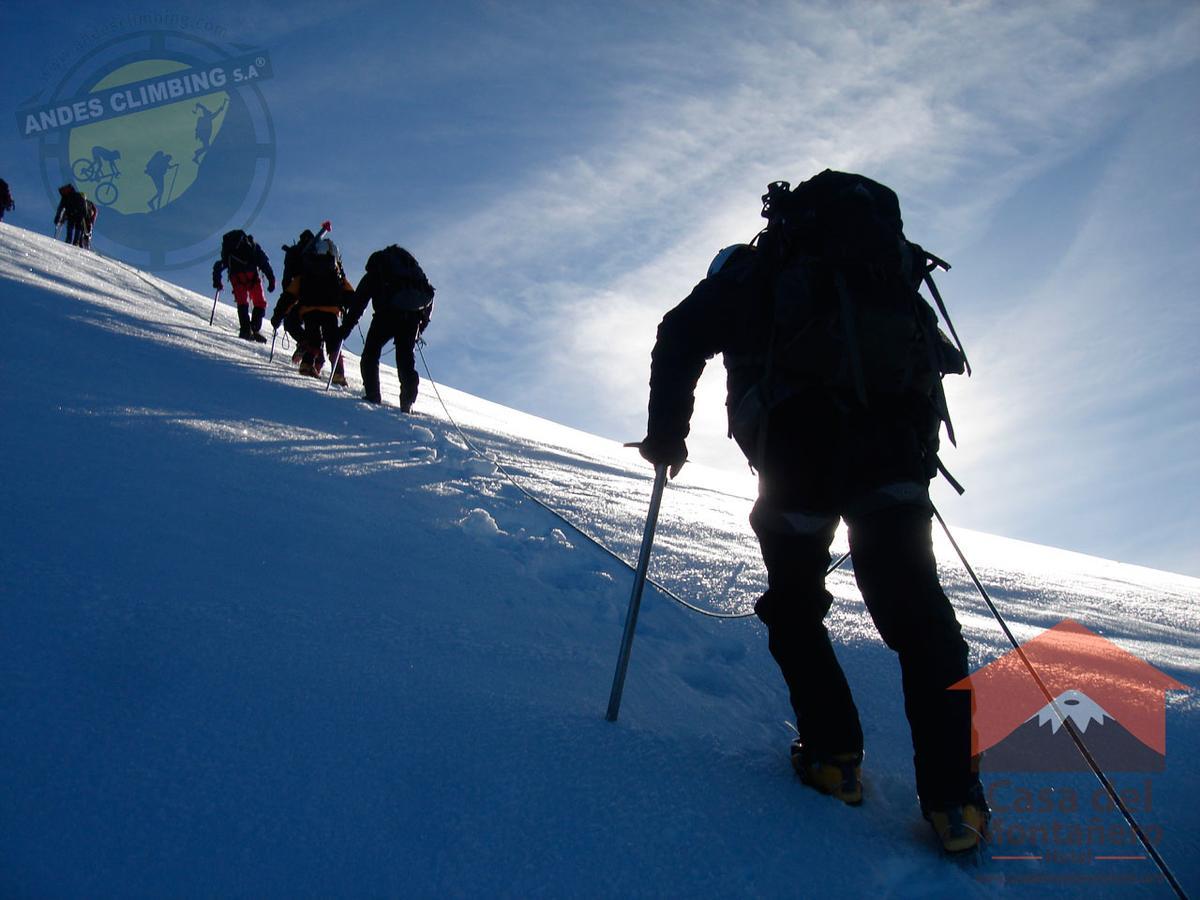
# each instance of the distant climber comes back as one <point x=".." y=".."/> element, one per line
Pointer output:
<point x="72" y="213"/>
<point x="245" y="259"/>
<point x="403" y="303"/>
<point x="6" y="200"/>
<point x="319" y="292"/>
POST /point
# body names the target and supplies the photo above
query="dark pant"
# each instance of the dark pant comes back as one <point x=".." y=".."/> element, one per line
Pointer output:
<point x="831" y="463"/>
<point x="294" y="326"/>
<point x="76" y="232"/>
<point x="321" y="328"/>
<point x="401" y="328"/>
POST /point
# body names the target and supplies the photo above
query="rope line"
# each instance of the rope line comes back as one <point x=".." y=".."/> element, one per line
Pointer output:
<point x="661" y="588"/>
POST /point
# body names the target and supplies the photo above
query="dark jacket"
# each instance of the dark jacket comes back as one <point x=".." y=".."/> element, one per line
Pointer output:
<point x="293" y="254"/>
<point x="331" y="298"/>
<point x="400" y="287"/>
<point x="71" y="206"/>
<point x="254" y="261"/>
<point x="725" y="313"/>
<point x="732" y="313"/>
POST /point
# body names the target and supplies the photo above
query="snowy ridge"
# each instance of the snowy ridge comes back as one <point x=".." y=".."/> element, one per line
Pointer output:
<point x="260" y="639"/>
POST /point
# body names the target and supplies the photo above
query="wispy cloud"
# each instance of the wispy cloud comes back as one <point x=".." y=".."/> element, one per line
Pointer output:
<point x="954" y="105"/>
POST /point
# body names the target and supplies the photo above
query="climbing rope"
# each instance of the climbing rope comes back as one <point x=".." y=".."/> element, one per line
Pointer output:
<point x="1143" y="839"/>
<point x="578" y="529"/>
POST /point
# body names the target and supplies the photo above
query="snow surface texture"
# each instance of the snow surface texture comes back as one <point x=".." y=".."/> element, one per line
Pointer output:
<point x="258" y="639"/>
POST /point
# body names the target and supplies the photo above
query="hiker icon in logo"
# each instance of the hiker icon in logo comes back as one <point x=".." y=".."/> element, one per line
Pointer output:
<point x="1113" y="701"/>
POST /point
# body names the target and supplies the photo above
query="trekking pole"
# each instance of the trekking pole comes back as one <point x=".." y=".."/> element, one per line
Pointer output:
<point x="174" y="175"/>
<point x="213" y="314"/>
<point x="635" y="599"/>
<point x="333" y="368"/>
<point x="274" y="334"/>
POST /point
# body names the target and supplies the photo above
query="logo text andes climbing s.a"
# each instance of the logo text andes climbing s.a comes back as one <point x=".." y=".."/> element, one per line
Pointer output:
<point x="168" y="133"/>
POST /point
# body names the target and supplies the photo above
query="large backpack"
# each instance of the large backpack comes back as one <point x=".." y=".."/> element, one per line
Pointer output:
<point x="403" y="285"/>
<point x="321" y="278"/>
<point x="239" y="251"/>
<point x="843" y="307"/>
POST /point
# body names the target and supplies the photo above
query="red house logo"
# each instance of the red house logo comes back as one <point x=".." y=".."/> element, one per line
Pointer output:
<point x="1115" y="701"/>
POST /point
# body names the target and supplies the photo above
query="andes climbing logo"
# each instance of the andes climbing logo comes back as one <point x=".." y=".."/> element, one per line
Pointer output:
<point x="168" y="133"/>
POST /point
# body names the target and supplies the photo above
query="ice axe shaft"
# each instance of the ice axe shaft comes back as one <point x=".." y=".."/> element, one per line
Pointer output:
<point x="635" y="599"/>
<point x="333" y="369"/>
<point x="213" y="314"/>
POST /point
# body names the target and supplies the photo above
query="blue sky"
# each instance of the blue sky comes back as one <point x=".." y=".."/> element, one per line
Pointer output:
<point x="565" y="172"/>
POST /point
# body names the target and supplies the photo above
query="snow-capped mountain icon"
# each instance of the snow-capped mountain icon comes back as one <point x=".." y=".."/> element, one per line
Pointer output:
<point x="1075" y="706"/>
<point x="1114" y="701"/>
<point x="1043" y="743"/>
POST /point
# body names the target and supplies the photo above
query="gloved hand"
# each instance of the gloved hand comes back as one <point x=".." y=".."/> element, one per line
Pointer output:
<point x="671" y="452"/>
<point x="276" y="320"/>
<point x="217" y="285"/>
<point x="270" y="285"/>
<point x="346" y="331"/>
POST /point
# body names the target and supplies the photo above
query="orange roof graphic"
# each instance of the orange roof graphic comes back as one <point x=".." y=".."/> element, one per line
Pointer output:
<point x="1070" y="657"/>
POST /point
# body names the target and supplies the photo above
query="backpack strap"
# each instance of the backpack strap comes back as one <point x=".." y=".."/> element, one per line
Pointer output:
<point x="950" y="478"/>
<point x="935" y="263"/>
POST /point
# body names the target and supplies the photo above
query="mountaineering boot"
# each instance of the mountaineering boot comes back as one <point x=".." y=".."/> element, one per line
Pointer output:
<point x="256" y="318"/>
<point x="298" y="354"/>
<point x="837" y="774"/>
<point x="408" y="394"/>
<point x="963" y="827"/>
<point x="339" y="374"/>
<point x="244" y="323"/>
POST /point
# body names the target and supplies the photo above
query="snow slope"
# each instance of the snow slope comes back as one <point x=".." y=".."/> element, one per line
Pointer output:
<point x="257" y="639"/>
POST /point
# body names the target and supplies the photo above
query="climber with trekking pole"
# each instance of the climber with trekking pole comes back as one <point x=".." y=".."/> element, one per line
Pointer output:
<point x="245" y="259"/>
<point x="835" y="364"/>
<point x="318" y="293"/>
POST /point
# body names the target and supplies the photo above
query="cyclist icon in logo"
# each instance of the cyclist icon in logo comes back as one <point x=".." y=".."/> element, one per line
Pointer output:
<point x="87" y="170"/>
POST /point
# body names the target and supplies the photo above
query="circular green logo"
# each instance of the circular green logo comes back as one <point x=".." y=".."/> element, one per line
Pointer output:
<point x="168" y="135"/>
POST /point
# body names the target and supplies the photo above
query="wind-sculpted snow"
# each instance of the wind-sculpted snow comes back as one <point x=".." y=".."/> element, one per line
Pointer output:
<point x="257" y="638"/>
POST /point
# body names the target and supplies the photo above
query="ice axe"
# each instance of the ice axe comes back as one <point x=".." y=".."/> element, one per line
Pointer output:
<point x="639" y="583"/>
<point x="333" y="369"/>
<point x="213" y="314"/>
